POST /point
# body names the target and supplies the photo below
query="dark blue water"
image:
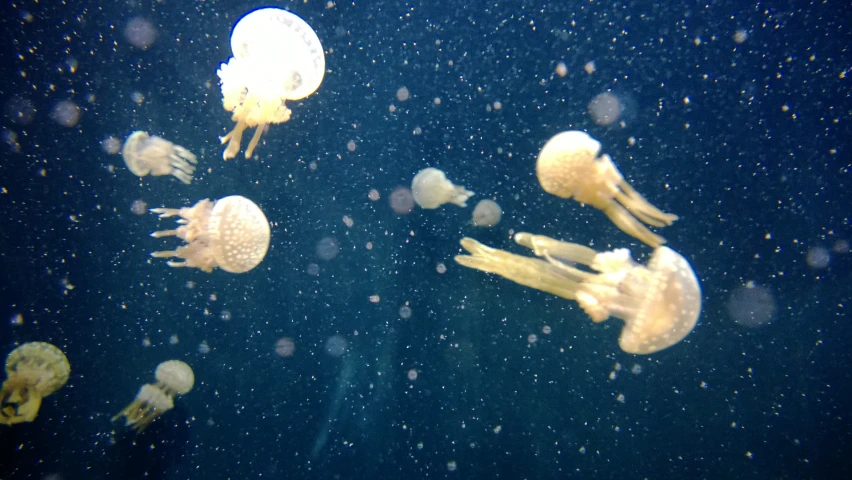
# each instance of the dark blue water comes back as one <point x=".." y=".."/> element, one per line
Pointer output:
<point x="756" y="164"/>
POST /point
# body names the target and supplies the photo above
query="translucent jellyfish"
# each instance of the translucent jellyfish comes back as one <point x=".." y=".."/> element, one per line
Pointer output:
<point x="431" y="189"/>
<point x="144" y="154"/>
<point x="174" y="377"/>
<point x="231" y="233"/>
<point x="569" y="166"/>
<point x="487" y="213"/>
<point x="34" y="370"/>
<point x="659" y="303"/>
<point x="605" y="109"/>
<point x="276" y="57"/>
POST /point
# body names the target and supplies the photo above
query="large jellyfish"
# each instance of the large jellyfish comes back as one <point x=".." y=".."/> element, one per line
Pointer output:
<point x="276" y="57"/>
<point x="231" y="233"/>
<point x="34" y="370"/>
<point x="659" y="303"/>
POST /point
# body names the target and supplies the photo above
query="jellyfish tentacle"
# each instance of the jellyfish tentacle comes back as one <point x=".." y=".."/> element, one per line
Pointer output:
<point x="255" y="139"/>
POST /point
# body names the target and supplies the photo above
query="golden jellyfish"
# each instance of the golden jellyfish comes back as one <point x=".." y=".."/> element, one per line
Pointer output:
<point x="431" y="189"/>
<point x="144" y="154"/>
<point x="569" y="165"/>
<point x="174" y="377"/>
<point x="659" y="302"/>
<point x="231" y="233"/>
<point x="276" y="57"/>
<point x="34" y="370"/>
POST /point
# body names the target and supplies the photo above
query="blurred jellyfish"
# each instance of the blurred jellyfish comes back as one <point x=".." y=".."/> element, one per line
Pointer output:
<point x="605" y="109"/>
<point x="19" y="110"/>
<point x="373" y="195"/>
<point x="487" y="213"/>
<point x="431" y="189"/>
<point x="752" y="306"/>
<point x="336" y="345"/>
<point x="65" y="113"/>
<point x="412" y="374"/>
<point x="140" y="32"/>
<point x="203" y="347"/>
<point x="402" y="201"/>
<point x="225" y="316"/>
<point x="818" y="258"/>
<point x="441" y="268"/>
<point x="313" y="269"/>
<point x="111" y="145"/>
<point x="327" y="248"/>
<point x="402" y="94"/>
<point x="285" y="347"/>
<point x="405" y="312"/>
<point x="139" y="207"/>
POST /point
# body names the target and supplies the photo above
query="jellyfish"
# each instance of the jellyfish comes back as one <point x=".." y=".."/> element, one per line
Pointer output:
<point x="569" y="166"/>
<point x="174" y="377"/>
<point x="231" y="233"/>
<point x="431" y="189"/>
<point x="276" y="57"/>
<point x="144" y="154"/>
<point x="659" y="302"/>
<point x="34" y="370"/>
<point x="487" y="213"/>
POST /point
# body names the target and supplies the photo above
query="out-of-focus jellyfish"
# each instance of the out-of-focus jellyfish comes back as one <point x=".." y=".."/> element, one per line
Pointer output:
<point x="568" y="166"/>
<point x="752" y="305"/>
<point x="327" y="248"/>
<point x="605" y="109"/>
<point x="140" y="32"/>
<point x="33" y="371"/>
<point x="174" y="377"/>
<point x="401" y="200"/>
<point x="276" y="57"/>
<point x="431" y="189"/>
<point x="231" y="233"/>
<point x="157" y="156"/>
<point x="487" y="213"/>
<point x="659" y="303"/>
<point x="66" y="113"/>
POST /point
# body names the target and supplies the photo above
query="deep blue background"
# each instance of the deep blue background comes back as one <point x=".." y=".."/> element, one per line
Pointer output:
<point x="755" y="188"/>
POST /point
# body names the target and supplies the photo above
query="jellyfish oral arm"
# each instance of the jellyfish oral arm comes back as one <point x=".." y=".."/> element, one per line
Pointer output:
<point x="233" y="139"/>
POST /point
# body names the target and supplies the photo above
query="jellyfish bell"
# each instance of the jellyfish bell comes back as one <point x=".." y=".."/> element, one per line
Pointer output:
<point x="660" y="302"/>
<point x="231" y="233"/>
<point x="487" y="213"/>
<point x="277" y="57"/>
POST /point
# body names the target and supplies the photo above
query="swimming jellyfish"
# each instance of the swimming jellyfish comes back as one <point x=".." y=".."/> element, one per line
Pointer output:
<point x="231" y="233"/>
<point x="174" y="377"/>
<point x="659" y="303"/>
<point x="431" y="189"/>
<point x="144" y="154"/>
<point x="34" y="370"/>
<point x="276" y="57"/>
<point x="569" y="166"/>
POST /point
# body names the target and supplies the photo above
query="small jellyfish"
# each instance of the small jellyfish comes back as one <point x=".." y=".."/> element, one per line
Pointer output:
<point x="157" y="156"/>
<point x="231" y="233"/>
<point x="487" y="213"/>
<point x="431" y="189"/>
<point x="568" y="166"/>
<point x="174" y="377"/>
<point x="659" y="302"/>
<point x="605" y="109"/>
<point x="276" y="57"/>
<point x="33" y="371"/>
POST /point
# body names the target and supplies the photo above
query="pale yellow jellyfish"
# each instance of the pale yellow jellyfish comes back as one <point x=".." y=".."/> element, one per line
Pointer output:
<point x="569" y="166"/>
<point x="276" y="57"/>
<point x="431" y="189"/>
<point x="231" y="233"/>
<point x="34" y="370"/>
<point x="154" y="399"/>
<point x="487" y="213"/>
<point x="659" y="302"/>
<point x="157" y="156"/>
